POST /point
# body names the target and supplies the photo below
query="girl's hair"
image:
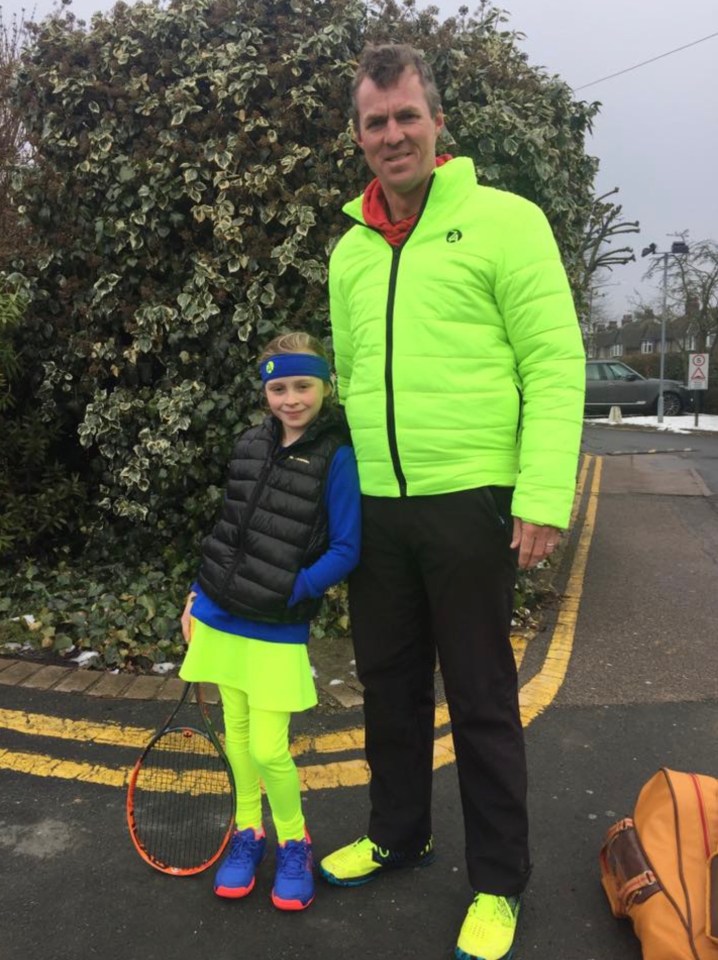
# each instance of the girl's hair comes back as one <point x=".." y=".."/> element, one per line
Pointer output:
<point x="293" y="343"/>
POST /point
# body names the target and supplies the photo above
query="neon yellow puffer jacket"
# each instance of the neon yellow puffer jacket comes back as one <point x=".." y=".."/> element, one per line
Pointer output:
<point x="458" y="355"/>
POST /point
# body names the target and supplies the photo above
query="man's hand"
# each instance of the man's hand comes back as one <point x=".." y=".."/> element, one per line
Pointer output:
<point x="534" y="542"/>
<point x="185" y="619"/>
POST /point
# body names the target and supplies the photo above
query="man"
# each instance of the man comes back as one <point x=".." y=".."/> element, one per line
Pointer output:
<point x="461" y="368"/>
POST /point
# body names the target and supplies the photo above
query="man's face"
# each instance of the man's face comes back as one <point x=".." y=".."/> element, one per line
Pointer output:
<point x="398" y="134"/>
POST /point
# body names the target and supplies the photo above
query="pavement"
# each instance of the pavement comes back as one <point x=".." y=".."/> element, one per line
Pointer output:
<point x="618" y="680"/>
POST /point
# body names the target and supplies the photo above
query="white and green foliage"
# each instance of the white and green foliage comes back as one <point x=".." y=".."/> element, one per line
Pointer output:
<point x="14" y="35"/>
<point x="181" y="200"/>
<point x="11" y="310"/>
<point x="189" y="165"/>
<point x="40" y="499"/>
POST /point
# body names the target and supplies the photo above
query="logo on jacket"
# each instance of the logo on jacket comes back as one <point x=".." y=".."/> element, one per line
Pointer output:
<point x="453" y="236"/>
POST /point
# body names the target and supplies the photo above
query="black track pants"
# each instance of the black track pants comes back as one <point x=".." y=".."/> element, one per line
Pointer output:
<point x="437" y="574"/>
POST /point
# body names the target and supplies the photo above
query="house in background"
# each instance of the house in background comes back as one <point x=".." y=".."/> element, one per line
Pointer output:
<point x="626" y="336"/>
<point x="630" y="337"/>
<point x="686" y="334"/>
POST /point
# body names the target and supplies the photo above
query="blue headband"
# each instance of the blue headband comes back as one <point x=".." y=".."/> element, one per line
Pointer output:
<point x="294" y="365"/>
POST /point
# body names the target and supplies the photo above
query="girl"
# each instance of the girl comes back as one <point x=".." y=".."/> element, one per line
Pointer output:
<point x="289" y="528"/>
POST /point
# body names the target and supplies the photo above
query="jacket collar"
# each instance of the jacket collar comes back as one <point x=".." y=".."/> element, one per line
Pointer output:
<point x="457" y="175"/>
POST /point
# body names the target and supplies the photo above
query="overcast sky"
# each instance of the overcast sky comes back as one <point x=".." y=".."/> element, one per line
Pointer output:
<point x="657" y="133"/>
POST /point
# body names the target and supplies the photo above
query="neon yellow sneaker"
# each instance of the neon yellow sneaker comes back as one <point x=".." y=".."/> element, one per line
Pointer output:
<point x="361" y="861"/>
<point x="488" y="930"/>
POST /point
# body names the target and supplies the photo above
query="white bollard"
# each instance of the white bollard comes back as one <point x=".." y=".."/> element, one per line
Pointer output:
<point x="614" y="415"/>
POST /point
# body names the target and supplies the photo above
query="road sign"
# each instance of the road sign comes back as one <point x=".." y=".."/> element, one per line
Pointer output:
<point x="697" y="371"/>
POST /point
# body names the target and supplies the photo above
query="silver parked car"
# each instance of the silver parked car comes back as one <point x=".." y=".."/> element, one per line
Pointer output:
<point x="612" y="383"/>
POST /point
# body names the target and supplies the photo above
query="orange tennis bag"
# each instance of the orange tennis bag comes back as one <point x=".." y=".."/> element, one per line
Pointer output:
<point x="660" y="869"/>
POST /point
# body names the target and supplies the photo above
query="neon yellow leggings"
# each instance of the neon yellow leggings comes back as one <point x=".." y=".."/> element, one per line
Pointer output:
<point x="257" y="745"/>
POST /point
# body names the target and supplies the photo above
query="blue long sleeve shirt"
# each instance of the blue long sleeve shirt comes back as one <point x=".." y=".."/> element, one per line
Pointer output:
<point x="342" y="500"/>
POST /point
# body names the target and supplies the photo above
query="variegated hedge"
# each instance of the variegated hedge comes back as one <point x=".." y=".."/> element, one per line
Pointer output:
<point x="189" y="165"/>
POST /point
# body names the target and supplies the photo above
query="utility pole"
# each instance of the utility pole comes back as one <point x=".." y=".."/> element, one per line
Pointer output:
<point x="678" y="247"/>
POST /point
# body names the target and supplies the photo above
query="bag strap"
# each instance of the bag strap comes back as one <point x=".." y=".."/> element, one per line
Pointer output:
<point x="632" y="888"/>
<point x="619" y="827"/>
<point x="621" y="857"/>
<point x="712" y="899"/>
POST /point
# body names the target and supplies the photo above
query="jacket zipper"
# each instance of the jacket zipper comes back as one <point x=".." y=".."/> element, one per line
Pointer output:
<point x="389" y="363"/>
<point x="389" y="374"/>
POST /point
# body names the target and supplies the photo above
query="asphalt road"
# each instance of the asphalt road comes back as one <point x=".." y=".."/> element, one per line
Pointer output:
<point x="699" y="449"/>
<point x="635" y="689"/>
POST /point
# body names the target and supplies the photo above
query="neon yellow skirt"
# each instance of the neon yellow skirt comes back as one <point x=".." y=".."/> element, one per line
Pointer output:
<point x="275" y="676"/>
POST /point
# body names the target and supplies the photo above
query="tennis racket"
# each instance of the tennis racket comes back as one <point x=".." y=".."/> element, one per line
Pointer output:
<point x="180" y="799"/>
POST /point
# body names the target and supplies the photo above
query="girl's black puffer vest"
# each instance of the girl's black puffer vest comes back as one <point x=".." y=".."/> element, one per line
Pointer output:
<point x="273" y="520"/>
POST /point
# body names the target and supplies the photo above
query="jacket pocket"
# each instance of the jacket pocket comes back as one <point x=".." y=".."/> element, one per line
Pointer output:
<point x="497" y="501"/>
<point x="519" y="418"/>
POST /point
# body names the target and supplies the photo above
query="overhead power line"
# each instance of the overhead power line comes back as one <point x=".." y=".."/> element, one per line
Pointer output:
<point x="644" y="62"/>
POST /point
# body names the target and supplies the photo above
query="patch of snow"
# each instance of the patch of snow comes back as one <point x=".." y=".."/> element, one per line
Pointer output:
<point x="165" y="667"/>
<point x="30" y="621"/>
<point x="85" y="657"/>
<point x="684" y="424"/>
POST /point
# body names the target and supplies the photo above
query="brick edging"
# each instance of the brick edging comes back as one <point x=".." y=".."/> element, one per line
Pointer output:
<point x="94" y="683"/>
<point x="99" y="683"/>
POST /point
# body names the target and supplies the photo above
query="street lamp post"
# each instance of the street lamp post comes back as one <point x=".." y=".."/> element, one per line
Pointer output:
<point x="678" y="247"/>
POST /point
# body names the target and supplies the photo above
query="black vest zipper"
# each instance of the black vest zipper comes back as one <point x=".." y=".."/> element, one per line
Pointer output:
<point x="278" y="453"/>
<point x="251" y="504"/>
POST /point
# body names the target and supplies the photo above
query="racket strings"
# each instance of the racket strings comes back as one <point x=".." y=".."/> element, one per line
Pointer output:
<point x="183" y="803"/>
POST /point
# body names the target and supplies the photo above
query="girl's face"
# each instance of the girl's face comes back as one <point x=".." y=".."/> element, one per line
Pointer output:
<point x="295" y="402"/>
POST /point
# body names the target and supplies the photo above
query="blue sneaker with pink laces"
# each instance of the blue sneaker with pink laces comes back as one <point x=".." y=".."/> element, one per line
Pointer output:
<point x="294" y="880"/>
<point x="235" y="876"/>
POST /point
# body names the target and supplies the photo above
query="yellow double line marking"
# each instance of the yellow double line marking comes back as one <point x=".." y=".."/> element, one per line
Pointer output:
<point x="535" y="696"/>
<point x="541" y="690"/>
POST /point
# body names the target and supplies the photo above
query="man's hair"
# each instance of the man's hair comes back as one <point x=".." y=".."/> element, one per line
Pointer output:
<point x="293" y="343"/>
<point x="384" y="64"/>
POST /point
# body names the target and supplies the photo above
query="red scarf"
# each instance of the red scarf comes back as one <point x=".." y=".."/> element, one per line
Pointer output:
<point x="376" y="211"/>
